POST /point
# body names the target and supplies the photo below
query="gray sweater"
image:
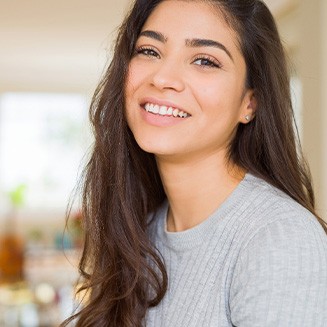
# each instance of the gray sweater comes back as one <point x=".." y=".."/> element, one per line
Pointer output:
<point x="259" y="260"/>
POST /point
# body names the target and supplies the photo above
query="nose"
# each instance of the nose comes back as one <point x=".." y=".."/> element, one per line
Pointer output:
<point x="168" y="76"/>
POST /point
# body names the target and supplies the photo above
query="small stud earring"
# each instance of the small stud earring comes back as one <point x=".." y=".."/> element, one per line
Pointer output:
<point x="247" y="117"/>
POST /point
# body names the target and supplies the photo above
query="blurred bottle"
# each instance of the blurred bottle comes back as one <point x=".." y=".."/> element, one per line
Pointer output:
<point x="11" y="242"/>
<point x="11" y="253"/>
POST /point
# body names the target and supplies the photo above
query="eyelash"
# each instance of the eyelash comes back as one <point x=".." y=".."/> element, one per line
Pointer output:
<point x="147" y="51"/>
<point x="151" y="52"/>
<point x="210" y="62"/>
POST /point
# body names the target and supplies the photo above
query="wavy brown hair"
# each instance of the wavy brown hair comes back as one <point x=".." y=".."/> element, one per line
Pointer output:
<point x="122" y="271"/>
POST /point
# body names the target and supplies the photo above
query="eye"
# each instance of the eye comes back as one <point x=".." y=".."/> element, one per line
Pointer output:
<point x="207" y="62"/>
<point x="147" y="51"/>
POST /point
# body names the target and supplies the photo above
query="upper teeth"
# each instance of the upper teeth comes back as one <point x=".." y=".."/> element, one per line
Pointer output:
<point x="165" y="111"/>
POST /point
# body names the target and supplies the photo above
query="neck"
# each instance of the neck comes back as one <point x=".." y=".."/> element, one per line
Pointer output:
<point x="195" y="189"/>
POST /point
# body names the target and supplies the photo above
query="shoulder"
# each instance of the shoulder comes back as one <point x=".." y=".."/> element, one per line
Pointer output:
<point x="281" y="267"/>
<point x="269" y="210"/>
<point x="276" y="226"/>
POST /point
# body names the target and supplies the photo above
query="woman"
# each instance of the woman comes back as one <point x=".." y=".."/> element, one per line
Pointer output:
<point x="199" y="210"/>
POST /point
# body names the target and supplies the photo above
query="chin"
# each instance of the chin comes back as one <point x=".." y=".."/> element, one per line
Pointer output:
<point x="157" y="147"/>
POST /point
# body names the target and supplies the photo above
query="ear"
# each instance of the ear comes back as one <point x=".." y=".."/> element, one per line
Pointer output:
<point x="249" y="107"/>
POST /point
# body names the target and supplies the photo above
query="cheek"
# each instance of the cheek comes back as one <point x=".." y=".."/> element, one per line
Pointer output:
<point x="135" y="77"/>
<point x="210" y="95"/>
<point x="130" y="84"/>
<point x="133" y="83"/>
<point x="219" y="97"/>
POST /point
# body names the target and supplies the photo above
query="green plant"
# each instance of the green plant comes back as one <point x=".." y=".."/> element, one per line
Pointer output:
<point x="17" y="195"/>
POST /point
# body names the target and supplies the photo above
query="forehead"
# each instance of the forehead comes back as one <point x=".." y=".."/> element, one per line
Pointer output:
<point x="192" y="19"/>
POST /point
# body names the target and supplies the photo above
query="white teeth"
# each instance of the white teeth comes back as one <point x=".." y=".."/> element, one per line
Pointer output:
<point x="150" y="107"/>
<point x="156" y="109"/>
<point x="164" y="110"/>
<point x="170" y="111"/>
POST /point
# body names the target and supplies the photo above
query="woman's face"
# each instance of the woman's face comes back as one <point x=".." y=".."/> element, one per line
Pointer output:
<point x="185" y="92"/>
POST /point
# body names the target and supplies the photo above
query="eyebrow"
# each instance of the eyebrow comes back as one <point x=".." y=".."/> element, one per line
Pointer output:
<point x="154" y="35"/>
<point x="197" y="43"/>
<point x="194" y="43"/>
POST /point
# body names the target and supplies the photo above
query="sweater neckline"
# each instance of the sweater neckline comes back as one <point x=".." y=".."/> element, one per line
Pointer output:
<point x="190" y="238"/>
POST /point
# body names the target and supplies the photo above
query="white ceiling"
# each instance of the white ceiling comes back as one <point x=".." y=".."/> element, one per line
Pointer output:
<point x="60" y="45"/>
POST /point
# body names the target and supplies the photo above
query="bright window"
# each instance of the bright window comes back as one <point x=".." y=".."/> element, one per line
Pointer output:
<point x="43" y="138"/>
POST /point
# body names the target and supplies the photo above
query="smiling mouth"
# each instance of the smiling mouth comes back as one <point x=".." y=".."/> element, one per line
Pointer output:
<point x="165" y="111"/>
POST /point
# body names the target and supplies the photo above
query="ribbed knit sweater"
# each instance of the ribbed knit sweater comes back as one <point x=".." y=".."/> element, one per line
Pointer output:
<point x="259" y="260"/>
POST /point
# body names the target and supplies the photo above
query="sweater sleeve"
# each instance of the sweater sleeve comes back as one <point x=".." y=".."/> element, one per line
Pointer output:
<point x="280" y="278"/>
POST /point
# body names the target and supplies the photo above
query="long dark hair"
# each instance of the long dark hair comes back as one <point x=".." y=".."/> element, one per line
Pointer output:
<point x="122" y="271"/>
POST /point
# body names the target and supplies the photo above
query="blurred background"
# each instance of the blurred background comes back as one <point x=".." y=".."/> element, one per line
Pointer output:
<point x="52" y="54"/>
